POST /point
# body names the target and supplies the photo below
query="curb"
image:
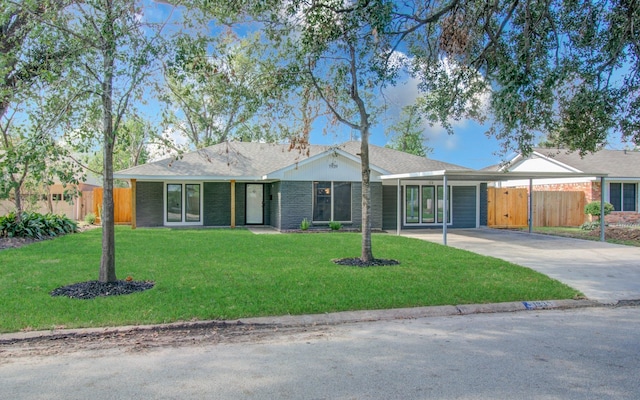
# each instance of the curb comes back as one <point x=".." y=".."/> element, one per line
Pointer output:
<point x="337" y="318"/>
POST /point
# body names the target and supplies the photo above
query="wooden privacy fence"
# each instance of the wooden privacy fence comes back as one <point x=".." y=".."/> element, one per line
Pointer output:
<point x="558" y="208"/>
<point x="509" y="208"/>
<point x="121" y="204"/>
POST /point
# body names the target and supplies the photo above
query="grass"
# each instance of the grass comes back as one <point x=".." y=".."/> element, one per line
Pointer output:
<point x="228" y="274"/>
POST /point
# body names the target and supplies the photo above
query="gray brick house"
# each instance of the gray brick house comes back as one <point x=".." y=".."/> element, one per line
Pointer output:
<point x="240" y="184"/>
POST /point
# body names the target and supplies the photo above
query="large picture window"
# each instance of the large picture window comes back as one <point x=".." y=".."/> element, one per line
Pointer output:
<point x="332" y="201"/>
<point x="425" y="204"/>
<point x="623" y="196"/>
<point x="183" y="203"/>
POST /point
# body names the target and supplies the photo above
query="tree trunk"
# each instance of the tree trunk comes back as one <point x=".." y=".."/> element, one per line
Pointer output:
<point x="367" y="252"/>
<point x="107" y="262"/>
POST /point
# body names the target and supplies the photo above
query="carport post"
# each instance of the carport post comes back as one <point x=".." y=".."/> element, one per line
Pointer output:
<point x="530" y="205"/>
<point x="445" y="210"/>
<point x="602" y="208"/>
<point x="399" y="213"/>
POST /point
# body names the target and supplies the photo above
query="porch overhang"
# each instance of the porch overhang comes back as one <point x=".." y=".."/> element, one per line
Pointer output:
<point x="488" y="176"/>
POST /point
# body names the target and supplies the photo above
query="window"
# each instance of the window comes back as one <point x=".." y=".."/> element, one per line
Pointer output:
<point x="183" y="202"/>
<point x="623" y="196"/>
<point x="422" y="206"/>
<point x="332" y="201"/>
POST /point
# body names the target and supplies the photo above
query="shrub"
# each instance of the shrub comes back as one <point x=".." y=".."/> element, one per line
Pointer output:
<point x="593" y="208"/>
<point x="34" y="225"/>
<point x="335" y="225"/>
<point x="589" y="226"/>
<point x="90" y="218"/>
<point x="305" y="224"/>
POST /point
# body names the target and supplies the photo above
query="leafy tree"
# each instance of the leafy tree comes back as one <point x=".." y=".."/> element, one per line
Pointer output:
<point x="120" y="46"/>
<point x="130" y="148"/>
<point x="407" y="133"/>
<point x="32" y="60"/>
<point x="216" y="86"/>
<point x="565" y="66"/>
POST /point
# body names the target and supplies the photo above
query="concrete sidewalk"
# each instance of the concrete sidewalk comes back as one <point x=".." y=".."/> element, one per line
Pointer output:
<point x="604" y="272"/>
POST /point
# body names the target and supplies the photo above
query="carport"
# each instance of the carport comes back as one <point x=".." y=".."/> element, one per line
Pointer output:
<point x="447" y="176"/>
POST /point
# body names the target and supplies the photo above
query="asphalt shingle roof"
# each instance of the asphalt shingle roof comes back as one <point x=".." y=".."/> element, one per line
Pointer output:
<point x="247" y="159"/>
<point x="615" y="163"/>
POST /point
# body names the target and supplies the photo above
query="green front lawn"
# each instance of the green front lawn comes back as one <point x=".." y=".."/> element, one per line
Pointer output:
<point x="228" y="274"/>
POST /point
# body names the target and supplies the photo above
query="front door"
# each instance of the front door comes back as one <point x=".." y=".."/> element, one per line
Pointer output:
<point x="255" y="204"/>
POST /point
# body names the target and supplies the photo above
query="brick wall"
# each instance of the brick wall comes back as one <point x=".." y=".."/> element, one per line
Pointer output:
<point x="620" y="217"/>
<point x="591" y="189"/>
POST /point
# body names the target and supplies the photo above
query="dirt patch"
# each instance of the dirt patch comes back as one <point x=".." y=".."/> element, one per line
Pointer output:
<point x="149" y="337"/>
<point x="15" y="242"/>
<point x="10" y="243"/>
<point x="619" y="233"/>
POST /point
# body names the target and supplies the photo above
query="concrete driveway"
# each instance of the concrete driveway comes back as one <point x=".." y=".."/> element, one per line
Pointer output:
<point x="604" y="272"/>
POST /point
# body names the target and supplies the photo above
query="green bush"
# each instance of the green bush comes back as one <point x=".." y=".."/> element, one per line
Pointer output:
<point x="305" y="224"/>
<point x="335" y="226"/>
<point x="593" y="208"/>
<point x="90" y="218"/>
<point x="34" y="225"/>
<point x="589" y="226"/>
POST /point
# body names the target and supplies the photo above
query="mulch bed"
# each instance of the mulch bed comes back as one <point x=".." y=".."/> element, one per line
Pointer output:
<point x="357" y="262"/>
<point x="92" y="289"/>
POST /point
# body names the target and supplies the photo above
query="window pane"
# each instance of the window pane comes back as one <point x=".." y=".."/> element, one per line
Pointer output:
<point x="441" y="203"/>
<point x="629" y="197"/>
<point x="428" y="204"/>
<point x="341" y="201"/>
<point x="174" y="203"/>
<point x="615" y="195"/>
<point x="412" y="208"/>
<point x="322" y="201"/>
<point x="192" y="207"/>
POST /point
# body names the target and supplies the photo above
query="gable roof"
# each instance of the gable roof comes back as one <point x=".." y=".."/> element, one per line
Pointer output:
<point x="614" y="163"/>
<point x="249" y="160"/>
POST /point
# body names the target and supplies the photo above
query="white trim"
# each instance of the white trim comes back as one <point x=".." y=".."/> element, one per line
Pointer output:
<point x="185" y="178"/>
<point x="435" y="194"/>
<point x="279" y="174"/>
<point x="184" y="193"/>
<point x="489" y="176"/>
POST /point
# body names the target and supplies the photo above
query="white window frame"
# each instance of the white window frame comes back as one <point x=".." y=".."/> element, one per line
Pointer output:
<point x="420" y="185"/>
<point x="184" y="193"/>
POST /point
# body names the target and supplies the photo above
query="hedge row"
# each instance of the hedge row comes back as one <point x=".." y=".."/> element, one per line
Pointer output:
<point x="34" y="225"/>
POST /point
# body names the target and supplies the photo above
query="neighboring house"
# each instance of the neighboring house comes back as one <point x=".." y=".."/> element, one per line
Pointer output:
<point x="58" y="199"/>
<point x="239" y="183"/>
<point x="621" y="184"/>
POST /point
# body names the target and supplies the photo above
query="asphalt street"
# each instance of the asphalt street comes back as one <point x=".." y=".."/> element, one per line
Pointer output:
<point x="584" y="353"/>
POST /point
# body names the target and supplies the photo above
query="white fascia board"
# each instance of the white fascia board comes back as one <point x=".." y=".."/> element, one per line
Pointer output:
<point x="493" y="176"/>
<point x="413" y="175"/>
<point x="187" y="178"/>
<point x="279" y="174"/>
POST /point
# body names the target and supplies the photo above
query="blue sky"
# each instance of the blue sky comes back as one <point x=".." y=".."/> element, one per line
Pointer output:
<point x="468" y="146"/>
